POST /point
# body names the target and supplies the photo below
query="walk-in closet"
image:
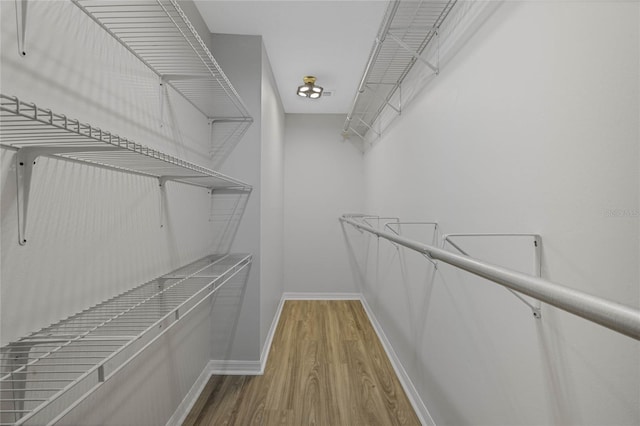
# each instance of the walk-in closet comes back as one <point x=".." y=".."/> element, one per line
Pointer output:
<point x="338" y="213"/>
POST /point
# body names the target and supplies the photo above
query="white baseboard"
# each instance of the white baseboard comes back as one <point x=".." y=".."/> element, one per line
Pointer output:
<point x="190" y="398"/>
<point x="230" y="367"/>
<point x="412" y="393"/>
<point x="321" y="296"/>
<point x="264" y="356"/>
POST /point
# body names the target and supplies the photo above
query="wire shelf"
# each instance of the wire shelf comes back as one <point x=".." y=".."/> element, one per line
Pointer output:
<point x="409" y="28"/>
<point x="25" y="125"/>
<point x="34" y="131"/>
<point x="49" y="371"/>
<point x="161" y="36"/>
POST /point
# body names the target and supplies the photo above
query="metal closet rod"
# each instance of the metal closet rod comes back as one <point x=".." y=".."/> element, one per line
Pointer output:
<point x="615" y="316"/>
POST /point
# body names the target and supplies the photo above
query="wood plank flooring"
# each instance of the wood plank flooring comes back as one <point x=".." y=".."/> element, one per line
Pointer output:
<point x="326" y="367"/>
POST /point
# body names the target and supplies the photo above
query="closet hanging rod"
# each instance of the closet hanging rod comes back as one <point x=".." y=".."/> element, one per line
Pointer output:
<point x="615" y="316"/>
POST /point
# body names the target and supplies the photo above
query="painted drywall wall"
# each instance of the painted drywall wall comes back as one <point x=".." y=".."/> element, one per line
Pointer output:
<point x="259" y="159"/>
<point x="272" y="201"/>
<point x="323" y="179"/>
<point x="94" y="233"/>
<point x="240" y="57"/>
<point x="527" y="129"/>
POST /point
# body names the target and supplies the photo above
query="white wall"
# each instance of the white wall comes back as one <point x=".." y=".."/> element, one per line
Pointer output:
<point x="94" y="233"/>
<point x="240" y="57"/>
<point x="532" y="127"/>
<point x="323" y="179"/>
<point x="272" y="205"/>
<point x="258" y="159"/>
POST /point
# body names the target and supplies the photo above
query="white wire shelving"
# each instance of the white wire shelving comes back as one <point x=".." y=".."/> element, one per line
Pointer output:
<point x="409" y="29"/>
<point x="159" y="33"/>
<point x="34" y="131"/>
<point x="46" y="374"/>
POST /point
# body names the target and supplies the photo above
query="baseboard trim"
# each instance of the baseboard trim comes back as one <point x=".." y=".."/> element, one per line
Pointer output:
<point x="231" y="367"/>
<point x="266" y="349"/>
<point x="405" y="381"/>
<point x="189" y="400"/>
<point x="321" y="296"/>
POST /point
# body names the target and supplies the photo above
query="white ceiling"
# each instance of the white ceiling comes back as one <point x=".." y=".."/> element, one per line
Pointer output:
<point x="326" y="38"/>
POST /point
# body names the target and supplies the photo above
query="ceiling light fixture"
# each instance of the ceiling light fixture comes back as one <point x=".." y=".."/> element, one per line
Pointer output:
<point x="309" y="89"/>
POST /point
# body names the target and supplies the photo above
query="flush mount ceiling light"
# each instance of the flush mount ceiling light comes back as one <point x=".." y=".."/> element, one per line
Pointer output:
<point x="309" y="89"/>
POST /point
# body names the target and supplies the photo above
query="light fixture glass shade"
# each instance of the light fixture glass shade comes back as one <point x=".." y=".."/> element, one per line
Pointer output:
<point x="309" y="89"/>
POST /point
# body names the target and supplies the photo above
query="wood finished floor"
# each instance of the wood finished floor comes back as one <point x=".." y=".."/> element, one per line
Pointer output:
<point x="326" y="367"/>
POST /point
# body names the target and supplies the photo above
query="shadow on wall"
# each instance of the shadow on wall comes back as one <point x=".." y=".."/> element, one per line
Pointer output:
<point x="225" y="312"/>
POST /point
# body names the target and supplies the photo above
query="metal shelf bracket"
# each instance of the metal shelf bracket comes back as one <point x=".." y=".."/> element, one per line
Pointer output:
<point x="163" y="192"/>
<point x="174" y="51"/>
<point x="535" y="307"/>
<point x="25" y="160"/>
<point x="387" y="102"/>
<point x="356" y="132"/>
<point x="413" y="53"/>
<point x="236" y="134"/>
<point x="371" y="128"/>
<point x="33" y="131"/>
